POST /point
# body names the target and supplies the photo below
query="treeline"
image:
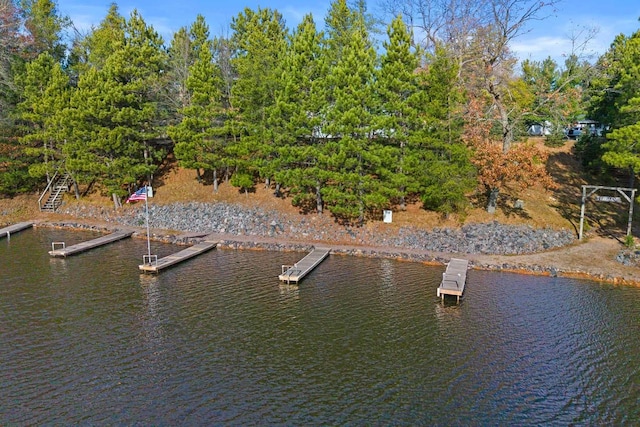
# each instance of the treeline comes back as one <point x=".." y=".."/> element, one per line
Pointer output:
<point x="320" y="113"/>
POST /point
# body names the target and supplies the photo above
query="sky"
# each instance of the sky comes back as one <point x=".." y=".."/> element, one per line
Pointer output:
<point x="549" y="37"/>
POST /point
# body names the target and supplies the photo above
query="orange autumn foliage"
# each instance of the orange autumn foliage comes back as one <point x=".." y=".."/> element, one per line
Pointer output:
<point x="522" y="166"/>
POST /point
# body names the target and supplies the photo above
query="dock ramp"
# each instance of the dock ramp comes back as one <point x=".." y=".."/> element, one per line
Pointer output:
<point x="59" y="249"/>
<point x="9" y="230"/>
<point x="154" y="265"/>
<point x="295" y="273"/>
<point x="454" y="278"/>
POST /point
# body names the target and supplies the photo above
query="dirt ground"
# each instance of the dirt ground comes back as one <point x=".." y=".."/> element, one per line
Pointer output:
<point x="594" y="257"/>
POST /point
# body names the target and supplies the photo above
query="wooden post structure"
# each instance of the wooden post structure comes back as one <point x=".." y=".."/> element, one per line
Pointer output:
<point x="628" y="193"/>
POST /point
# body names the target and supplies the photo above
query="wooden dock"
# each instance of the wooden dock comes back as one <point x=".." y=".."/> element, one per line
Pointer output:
<point x="295" y="273"/>
<point x="454" y="278"/>
<point x="155" y="265"/>
<point x="64" y="251"/>
<point x="11" y="229"/>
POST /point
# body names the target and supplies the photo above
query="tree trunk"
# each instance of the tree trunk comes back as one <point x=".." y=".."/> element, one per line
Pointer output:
<point x="277" y="192"/>
<point x="215" y="180"/>
<point x="493" y="200"/>
<point x="507" y="129"/>
<point x="267" y="183"/>
<point x="319" y="202"/>
<point x="198" y="176"/>
<point x="116" y="201"/>
<point x="76" y="189"/>
<point x="88" y="189"/>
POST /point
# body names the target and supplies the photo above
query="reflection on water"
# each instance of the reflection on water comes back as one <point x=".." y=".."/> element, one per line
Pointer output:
<point x="219" y="340"/>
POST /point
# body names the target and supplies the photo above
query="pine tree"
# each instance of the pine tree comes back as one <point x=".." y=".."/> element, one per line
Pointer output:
<point x="45" y="92"/>
<point x="182" y="53"/>
<point x="112" y="115"/>
<point x="198" y="145"/>
<point x="622" y="149"/>
<point x="94" y="49"/>
<point x="399" y="102"/>
<point x="259" y="41"/>
<point x="443" y="169"/>
<point x="295" y="119"/>
<point x="46" y="27"/>
<point x="353" y="156"/>
<point x="13" y="45"/>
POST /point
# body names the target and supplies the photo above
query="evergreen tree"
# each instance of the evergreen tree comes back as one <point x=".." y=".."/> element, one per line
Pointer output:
<point x="176" y="94"/>
<point x="198" y="145"/>
<point x="94" y="49"/>
<point x="112" y="114"/>
<point x="259" y="42"/>
<point x="13" y="45"/>
<point x="354" y="156"/>
<point x="442" y="166"/>
<point x="46" y="26"/>
<point x="14" y="163"/>
<point x="399" y="102"/>
<point x="295" y="119"/>
<point x="45" y="92"/>
<point x="622" y="149"/>
<point x="339" y="22"/>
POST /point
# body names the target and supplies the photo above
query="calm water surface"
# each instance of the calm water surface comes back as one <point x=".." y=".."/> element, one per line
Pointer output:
<point x="219" y="341"/>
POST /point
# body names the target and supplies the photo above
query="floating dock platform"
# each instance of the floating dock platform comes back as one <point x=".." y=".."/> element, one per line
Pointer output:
<point x="155" y="265"/>
<point x="295" y="273"/>
<point x="9" y="230"/>
<point x="64" y="251"/>
<point x="454" y="278"/>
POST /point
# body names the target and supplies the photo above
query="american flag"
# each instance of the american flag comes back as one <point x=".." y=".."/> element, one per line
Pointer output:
<point x="141" y="194"/>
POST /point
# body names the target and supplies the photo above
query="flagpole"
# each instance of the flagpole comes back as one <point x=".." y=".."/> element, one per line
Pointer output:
<point x="146" y="210"/>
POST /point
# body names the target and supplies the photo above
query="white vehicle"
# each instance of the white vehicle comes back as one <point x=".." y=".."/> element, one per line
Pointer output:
<point x="590" y="127"/>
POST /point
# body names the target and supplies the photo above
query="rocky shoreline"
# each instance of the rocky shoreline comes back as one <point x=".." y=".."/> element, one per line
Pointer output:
<point x="236" y="220"/>
<point x="488" y="246"/>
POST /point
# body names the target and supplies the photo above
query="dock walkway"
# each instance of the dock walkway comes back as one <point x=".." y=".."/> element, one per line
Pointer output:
<point x="295" y="273"/>
<point x="9" y="230"/>
<point x="90" y="244"/>
<point x="155" y="266"/>
<point x="454" y="278"/>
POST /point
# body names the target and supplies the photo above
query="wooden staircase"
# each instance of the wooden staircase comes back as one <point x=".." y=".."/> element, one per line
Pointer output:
<point x="55" y="191"/>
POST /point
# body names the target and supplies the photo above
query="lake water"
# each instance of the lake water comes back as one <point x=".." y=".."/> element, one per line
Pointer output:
<point x="219" y="340"/>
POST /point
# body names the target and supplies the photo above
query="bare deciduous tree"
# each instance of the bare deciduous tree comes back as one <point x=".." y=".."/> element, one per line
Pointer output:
<point x="478" y="34"/>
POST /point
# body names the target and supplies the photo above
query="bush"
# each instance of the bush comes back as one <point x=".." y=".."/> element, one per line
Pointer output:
<point x="556" y="139"/>
<point x="589" y="150"/>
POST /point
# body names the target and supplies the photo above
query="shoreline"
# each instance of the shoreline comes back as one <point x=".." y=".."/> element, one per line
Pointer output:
<point x="550" y="263"/>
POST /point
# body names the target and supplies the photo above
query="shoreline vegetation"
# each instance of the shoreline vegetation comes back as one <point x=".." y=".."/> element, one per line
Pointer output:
<point x="540" y="239"/>
<point x="333" y="125"/>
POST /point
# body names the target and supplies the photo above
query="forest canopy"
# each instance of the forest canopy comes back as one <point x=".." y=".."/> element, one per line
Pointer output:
<point x="325" y="113"/>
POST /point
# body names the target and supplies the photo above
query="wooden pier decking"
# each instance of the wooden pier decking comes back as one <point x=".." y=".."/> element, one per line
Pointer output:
<point x="454" y="278"/>
<point x="154" y="266"/>
<point x="9" y="230"/>
<point x="295" y="273"/>
<point x="90" y="244"/>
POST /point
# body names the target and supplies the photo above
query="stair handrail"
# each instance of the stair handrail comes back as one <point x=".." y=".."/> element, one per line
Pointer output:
<point x="51" y="181"/>
<point x="55" y="193"/>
